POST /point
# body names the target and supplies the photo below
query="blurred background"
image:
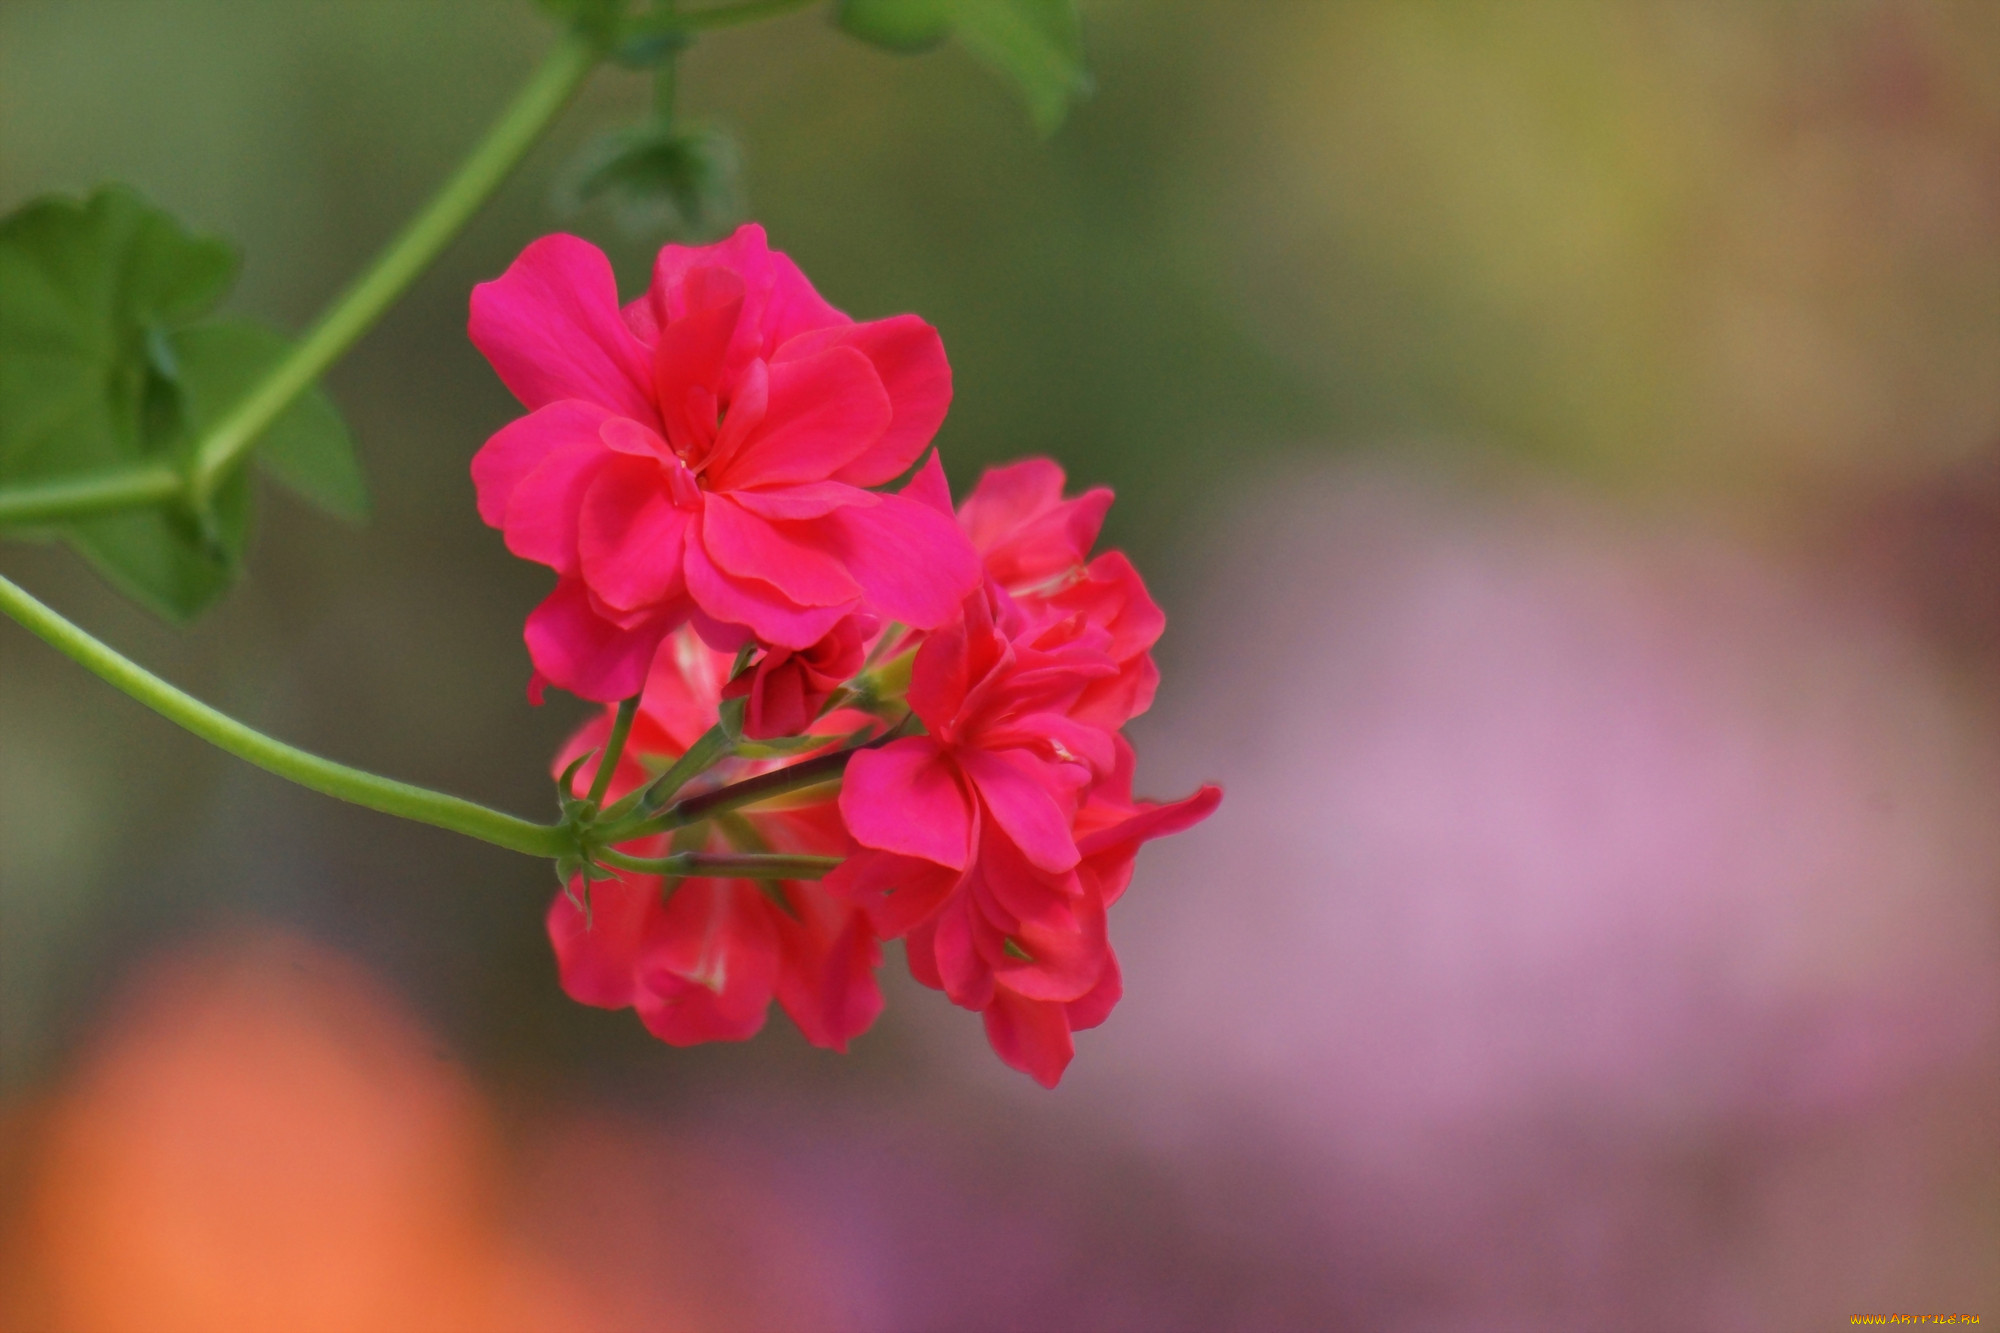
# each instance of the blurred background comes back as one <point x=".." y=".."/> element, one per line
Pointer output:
<point x="1566" y="439"/>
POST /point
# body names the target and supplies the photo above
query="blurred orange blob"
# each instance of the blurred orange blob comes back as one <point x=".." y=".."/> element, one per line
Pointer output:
<point x="261" y="1141"/>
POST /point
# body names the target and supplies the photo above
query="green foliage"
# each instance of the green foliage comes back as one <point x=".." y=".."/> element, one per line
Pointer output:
<point x="600" y="20"/>
<point x="1037" y="44"/>
<point x="659" y="179"/>
<point x="102" y="366"/>
<point x="307" y="450"/>
<point x="903" y="26"/>
<point x="88" y="293"/>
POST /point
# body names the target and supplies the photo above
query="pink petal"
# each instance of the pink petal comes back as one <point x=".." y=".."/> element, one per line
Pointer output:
<point x="631" y="536"/>
<point x="1055" y="738"/>
<point x="519" y="447"/>
<point x="909" y="358"/>
<point x="541" y="519"/>
<point x="767" y="613"/>
<point x="1116" y="700"/>
<point x="1011" y="786"/>
<point x="822" y="411"/>
<point x="1022" y="526"/>
<point x="967" y="978"/>
<point x="712" y="975"/>
<point x="1094" y="1007"/>
<point x="1031" y="1036"/>
<point x="689" y="371"/>
<point x="952" y="661"/>
<point x="550" y="326"/>
<point x="1112" y="594"/>
<point x="1154" y="821"/>
<point x="779" y="304"/>
<point x="781" y="554"/>
<point x="914" y="565"/>
<point x="1020" y="891"/>
<point x="920" y="951"/>
<point x="829" y="988"/>
<point x="1065" y="959"/>
<point x="578" y="650"/>
<point x="597" y="953"/>
<point x="905" y="798"/>
<point x="899" y="893"/>
<point x="625" y="436"/>
<point x="928" y="485"/>
<point x="810" y="500"/>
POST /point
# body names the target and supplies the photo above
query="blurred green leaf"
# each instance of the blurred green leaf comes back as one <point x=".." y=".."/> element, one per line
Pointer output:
<point x="903" y="26"/>
<point x="161" y="558"/>
<point x="1036" y="43"/>
<point x="659" y="179"/>
<point x="87" y="291"/>
<point x="102" y="366"/>
<point x="91" y="294"/>
<point x="601" y="20"/>
<point x="307" y="449"/>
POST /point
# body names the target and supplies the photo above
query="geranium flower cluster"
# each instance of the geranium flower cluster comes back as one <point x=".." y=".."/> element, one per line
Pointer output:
<point x="837" y="714"/>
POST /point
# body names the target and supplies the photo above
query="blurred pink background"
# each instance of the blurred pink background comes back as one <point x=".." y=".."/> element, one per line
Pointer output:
<point x="1566" y="439"/>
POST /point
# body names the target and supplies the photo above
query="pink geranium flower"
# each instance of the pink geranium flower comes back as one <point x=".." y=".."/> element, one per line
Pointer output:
<point x="704" y="962"/>
<point x="1036" y="544"/>
<point x="703" y="456"/>
<point x="787" y="687"/>
<point x="995" y="842"/>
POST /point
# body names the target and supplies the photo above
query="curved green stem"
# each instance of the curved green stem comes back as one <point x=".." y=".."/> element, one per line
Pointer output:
<point x="614" y="750"/>
<point x="88" y="493"/>
<point x="547" y="91"/>
<point x="274" y="756"/>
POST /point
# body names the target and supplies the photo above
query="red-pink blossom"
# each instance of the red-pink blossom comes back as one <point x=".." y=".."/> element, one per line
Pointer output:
<point x="704" y="962"/>
<point x="787" y="688"/>
<point x="702" y="456"/>
<point x="1036" y="545"/>
<point x="1025" y="531"/>
<point x="995" y="841"/>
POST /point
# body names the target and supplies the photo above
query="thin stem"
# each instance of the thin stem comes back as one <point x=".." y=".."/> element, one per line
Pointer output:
<point x="763" y="787"/>
<point x="273" y="756"/>
<point x="725" y="865"/>
<point x="397" y="266"/>
<point x="88" y="493"/>
<point x="621" y="727"/>
<point x="709" y="749"/>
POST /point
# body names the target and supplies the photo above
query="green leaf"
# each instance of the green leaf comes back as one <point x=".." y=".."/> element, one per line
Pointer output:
<point x="102" y="365"/>
<point x="1036" y="43"/>
<point x="92" y="294"/>
<point x="601" y="20"/>
<point x="307" y="450"/>
<point x="905" y="27"/>
<point x="162" y="559"/>
<point x="85" y="291"/>
<point x="659" y="179"/>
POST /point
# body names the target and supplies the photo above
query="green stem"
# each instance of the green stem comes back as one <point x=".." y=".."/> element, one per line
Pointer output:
<point x="273" y="756"/>
<point x="88" y="493"/>
<point x="413" y="249"/>
<point x="710" y="749"/>
<point x="614" y="749"/>
<point x="725" y="865"/>
<point x="763" y="787"/>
